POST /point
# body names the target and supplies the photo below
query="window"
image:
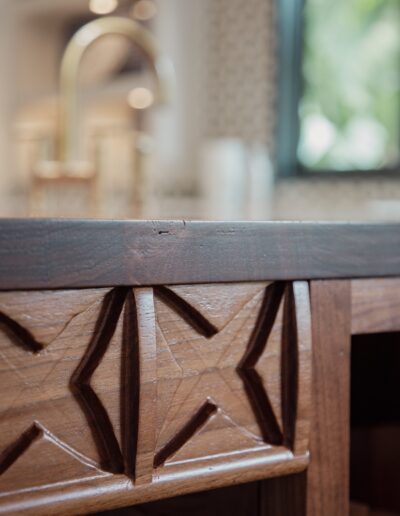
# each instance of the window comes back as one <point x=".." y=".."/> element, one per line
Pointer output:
<point x="341" y="111"/>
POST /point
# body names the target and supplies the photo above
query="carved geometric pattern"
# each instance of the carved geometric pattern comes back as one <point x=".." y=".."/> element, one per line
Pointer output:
<point x="219" y="364"/>
<point x="226" y="379"/>
<point x="73" y="413"/>
<point x="138" y="381"/>
<point x="86" y="396"/>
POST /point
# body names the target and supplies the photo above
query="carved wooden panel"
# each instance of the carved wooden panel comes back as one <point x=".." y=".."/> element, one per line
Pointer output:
<point x="116" y="396"/>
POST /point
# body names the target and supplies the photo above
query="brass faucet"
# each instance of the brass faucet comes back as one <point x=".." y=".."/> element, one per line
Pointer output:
<point x="70" y="164"/>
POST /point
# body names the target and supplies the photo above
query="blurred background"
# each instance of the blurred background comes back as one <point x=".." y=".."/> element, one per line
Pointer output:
<point x="212" y="109"/>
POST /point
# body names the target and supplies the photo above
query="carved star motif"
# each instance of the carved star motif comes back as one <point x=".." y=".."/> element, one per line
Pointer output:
<point x="213" y="370"/>
<point x="56" y="397"/>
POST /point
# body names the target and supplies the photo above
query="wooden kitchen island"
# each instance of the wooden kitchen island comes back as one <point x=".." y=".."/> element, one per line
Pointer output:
<point x="141" y="361"/>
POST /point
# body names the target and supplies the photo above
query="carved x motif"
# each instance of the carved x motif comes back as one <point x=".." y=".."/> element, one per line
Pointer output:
<point x="56" y="397"/>
<point x="217" y="368"/>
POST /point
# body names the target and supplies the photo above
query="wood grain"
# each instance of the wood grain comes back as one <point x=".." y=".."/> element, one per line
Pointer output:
<point x="328" y="474"/>
<point x="238" y="500"/>
<point x="127" y="395"/>
<point x="36" y="399"/>
<point x="147" y="393"/>
<point x="375" y="305"/>
<point x="284" y="496"/>
<point x="45" y="254"/>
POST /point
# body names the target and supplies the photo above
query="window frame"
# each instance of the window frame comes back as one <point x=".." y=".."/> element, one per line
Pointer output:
<point x="290" y="87"/>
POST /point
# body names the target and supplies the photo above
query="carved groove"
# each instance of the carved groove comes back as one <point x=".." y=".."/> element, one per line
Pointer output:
<point x="253" y="384"/>
<point x="289" y="368"/>
<point x="186" y="432"/>
<point x="19" y="335"/>
<point x="18" y="447"/>
<point x="186" y="311"/>
<point x="96" y="414"/>
<point x="130" y="385"/>
<point x="261" y="406"/>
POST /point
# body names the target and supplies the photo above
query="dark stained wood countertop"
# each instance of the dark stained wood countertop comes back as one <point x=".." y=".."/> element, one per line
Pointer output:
<point x="61" y="253"/>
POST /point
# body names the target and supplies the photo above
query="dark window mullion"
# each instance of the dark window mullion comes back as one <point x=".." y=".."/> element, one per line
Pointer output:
<point x="290" y="43"/>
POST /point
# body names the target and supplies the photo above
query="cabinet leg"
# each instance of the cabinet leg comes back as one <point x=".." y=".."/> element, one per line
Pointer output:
<point x="328" y="473"/>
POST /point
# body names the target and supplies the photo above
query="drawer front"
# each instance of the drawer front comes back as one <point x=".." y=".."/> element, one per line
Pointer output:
<point x="111" y="397"/>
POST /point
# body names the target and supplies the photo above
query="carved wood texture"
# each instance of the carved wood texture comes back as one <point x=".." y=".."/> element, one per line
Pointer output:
<point x="150" y="389"/>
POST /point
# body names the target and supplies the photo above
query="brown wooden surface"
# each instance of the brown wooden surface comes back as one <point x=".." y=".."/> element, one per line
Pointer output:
<point x="239" y="500"/>
<point x="328" y="474"/>
<point x="284" y="496"/>
<point x="119" y="396"/>
<point x="116" y="396"/>
<point x="375" y="305"/>
<point x="45" y="254"/>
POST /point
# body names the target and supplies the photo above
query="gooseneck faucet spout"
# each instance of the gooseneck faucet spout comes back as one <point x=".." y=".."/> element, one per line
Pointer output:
<point x="69" y="140"/>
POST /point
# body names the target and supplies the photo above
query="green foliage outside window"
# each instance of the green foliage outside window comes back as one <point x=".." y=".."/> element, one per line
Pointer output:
<point x="350" y="109"/>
